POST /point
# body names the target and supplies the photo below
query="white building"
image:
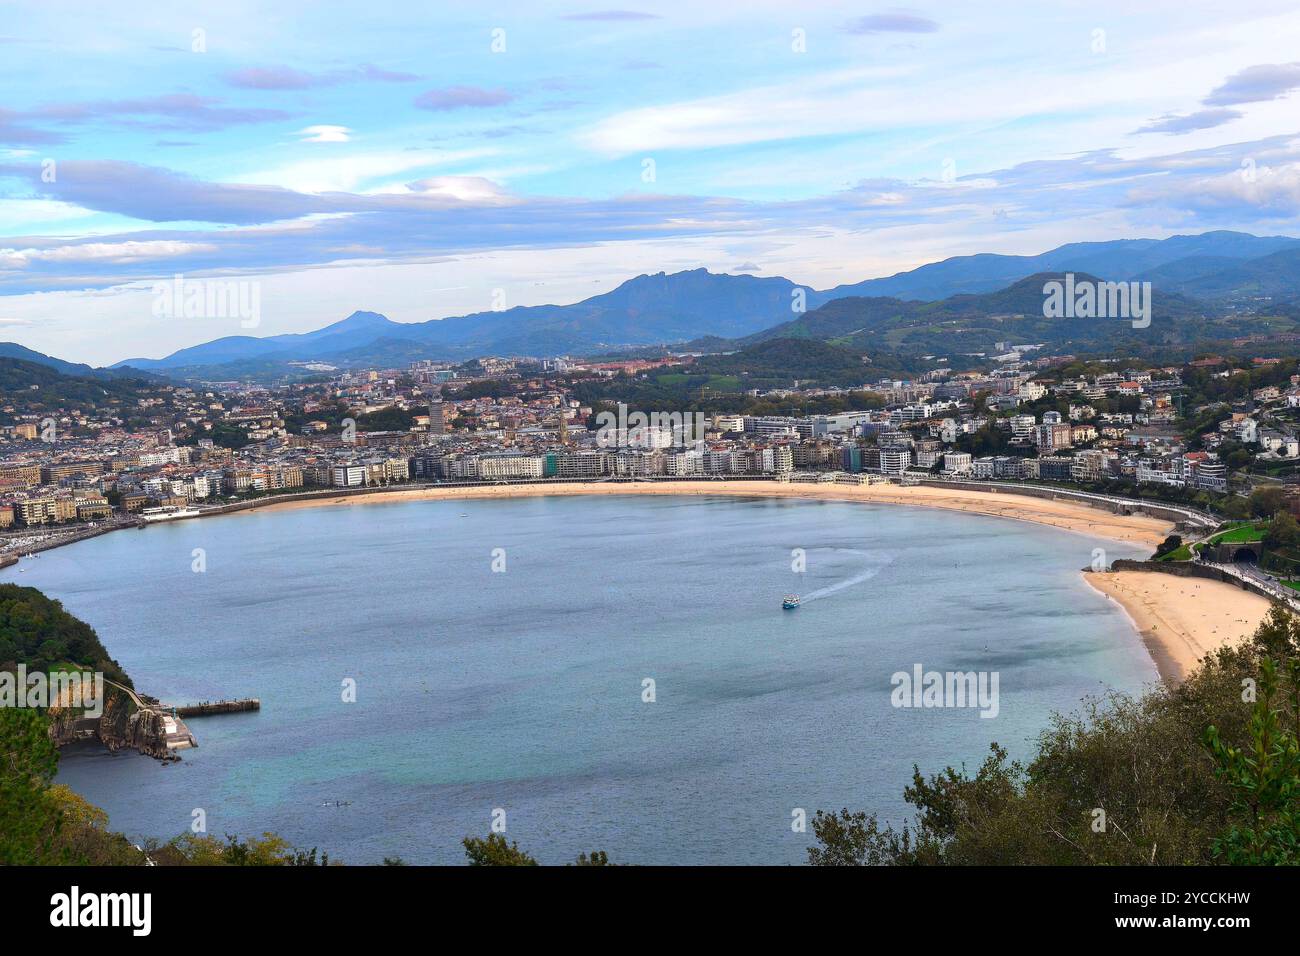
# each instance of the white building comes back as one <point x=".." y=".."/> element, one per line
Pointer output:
<point x="348" y="476"/>
<point x="956" y="463"/>
<point x="502" y="467"/>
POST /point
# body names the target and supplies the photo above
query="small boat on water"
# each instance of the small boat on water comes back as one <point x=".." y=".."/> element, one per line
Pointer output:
<point x="791" y="602"/>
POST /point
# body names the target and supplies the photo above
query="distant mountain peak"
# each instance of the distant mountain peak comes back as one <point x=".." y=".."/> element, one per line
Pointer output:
<point x="698" y="304"/>
<point x="361" y="317"/>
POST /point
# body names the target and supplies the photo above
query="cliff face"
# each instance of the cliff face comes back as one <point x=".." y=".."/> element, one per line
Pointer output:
<point x="122" y="726"/>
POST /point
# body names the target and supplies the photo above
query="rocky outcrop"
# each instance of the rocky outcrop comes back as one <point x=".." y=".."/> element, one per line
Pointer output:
<point x="122" y="726"/>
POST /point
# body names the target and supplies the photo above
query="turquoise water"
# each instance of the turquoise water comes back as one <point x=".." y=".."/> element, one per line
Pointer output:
<point x="523" y="690"/>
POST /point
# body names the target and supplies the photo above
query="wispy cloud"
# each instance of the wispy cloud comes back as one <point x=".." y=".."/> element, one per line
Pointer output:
<point x="1201" y="119"/>
<point x="325" y="134"/>
<point x="104" y="251"/>
<point x="14" y="132"/>
<point x="275" y="78"/>
<point x="1267" y="81"/>
<point x="277" y="229"/>
<point x="611" y="15"/>
<point x="288" y="78"/>
<point x="174" y="111"/>
<point x="460" y="97"/>
<point x="895" y="22"/>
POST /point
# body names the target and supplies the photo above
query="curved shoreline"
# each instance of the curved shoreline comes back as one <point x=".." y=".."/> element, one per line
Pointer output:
<point x="1175" y="648"/>
<point x="1059" y="513"/>
<point x="1157" y="610"/>
<point x="1181" y="620"/>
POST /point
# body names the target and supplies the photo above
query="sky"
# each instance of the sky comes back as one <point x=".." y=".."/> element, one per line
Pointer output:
<point x="439" y="159"/>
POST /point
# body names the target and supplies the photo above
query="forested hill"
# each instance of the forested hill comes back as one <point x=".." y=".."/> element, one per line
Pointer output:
<point x="36" y="631"/>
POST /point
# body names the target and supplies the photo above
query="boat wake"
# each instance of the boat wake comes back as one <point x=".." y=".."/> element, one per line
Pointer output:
<point x="865" y="575"/>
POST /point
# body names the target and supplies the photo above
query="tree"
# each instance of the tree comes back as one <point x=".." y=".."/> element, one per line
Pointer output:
<point x="1264" y="777"/>
<point x="35" y="630"/>
<point x="1171" y="543"/>
<point x="1283" y="533"/>
<point x="494" y="851"/>
<point x="270" y="850"/>
<point x="1267" y="501"/>
<point x="83" y="838"/>
<point x="1235" y="508"/>
<point x="29" y="820"/>
<point x="1126" y="781"/>
<point x="856" y="839"/>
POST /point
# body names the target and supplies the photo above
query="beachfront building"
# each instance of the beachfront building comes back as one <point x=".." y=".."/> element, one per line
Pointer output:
<point x="508" y="467"/>
<point x="348" y="476"/>
<point x="956" y="463"/>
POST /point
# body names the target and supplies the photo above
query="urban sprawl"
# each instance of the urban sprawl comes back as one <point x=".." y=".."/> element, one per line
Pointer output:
<point x="187" y="448"/>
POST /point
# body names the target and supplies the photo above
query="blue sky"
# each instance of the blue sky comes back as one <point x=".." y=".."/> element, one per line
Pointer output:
<point x="422" y="163"/>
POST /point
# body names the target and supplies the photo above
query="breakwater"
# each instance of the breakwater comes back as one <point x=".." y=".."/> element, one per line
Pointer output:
<point x="209" y="708"/>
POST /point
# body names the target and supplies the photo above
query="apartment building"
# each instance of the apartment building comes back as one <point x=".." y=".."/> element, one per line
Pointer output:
<point x="348" y="475"/>
<point x="504" y="467"/>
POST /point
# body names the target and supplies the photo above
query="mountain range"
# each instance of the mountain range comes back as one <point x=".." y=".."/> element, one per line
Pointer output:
<point x="977" y="323"/>
<point x="1213" y="285"/>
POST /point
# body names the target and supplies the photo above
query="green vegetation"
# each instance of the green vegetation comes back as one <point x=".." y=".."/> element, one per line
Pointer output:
<point x="1203" y="773"/>
<point x="1207" y="772"/>
<point x="961" y="325"/>
<point x="35" y="630"/>
<point x="1281" y="546"/>
<point x="46" y="824"/>
<point x="31" y="388"/>
<point x="1171" y="545"/>
<point x="391" y="419"/>
<point x="990" y="440"/>
<point x="29" y="821"/>
<point x="1267" y="501"/>
<point x="1282" y="534"/>
<point x="495" y="851"/>
<point x="1263" y="776"/>
<point x="698" y="395"/>
<point x="488" y="388"/>
<point x="718" y="383"/>
<point x="1203" y="388"/>
<point x="1240" y="534"/>
<point x="223" y="435"/>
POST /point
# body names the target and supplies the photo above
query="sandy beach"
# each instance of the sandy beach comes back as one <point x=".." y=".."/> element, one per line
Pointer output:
<point x="1179" y="620"/>
<point x="1063" y="514"/>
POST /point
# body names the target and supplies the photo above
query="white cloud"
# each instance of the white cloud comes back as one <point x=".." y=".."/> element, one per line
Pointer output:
<point x="356" y="173"/>
<point x="104" y="252"/>
<point x="1252" y="190"/>
<point x="325" y="134"/>
<point x="22" y="214"/>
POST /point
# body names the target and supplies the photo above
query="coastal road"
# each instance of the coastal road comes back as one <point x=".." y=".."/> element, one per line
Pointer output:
<point x="1265" y="581"/>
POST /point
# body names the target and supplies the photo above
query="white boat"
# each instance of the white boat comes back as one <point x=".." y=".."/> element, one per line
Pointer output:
<point x="169" y="513"/>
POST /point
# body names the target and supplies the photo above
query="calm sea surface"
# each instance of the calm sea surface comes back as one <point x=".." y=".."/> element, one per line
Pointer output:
<point x="523" y="690"/>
